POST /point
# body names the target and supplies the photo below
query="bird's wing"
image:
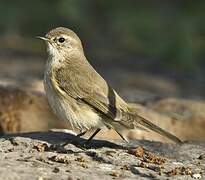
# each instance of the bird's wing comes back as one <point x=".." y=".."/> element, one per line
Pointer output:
<point x="92" y="90"/>
<point x="102" y="103"/>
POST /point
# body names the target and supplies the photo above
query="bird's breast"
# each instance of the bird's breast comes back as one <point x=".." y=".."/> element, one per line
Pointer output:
<point x="79" y="115"/>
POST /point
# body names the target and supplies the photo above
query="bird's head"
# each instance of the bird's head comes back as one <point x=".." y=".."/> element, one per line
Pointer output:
<point x="62" y="41"/>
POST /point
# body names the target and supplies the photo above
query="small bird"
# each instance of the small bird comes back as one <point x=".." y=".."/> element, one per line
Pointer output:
<point x="80" y="96"/>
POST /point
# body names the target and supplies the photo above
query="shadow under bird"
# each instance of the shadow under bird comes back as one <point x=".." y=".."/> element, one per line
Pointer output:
<point x="80" y="96"/>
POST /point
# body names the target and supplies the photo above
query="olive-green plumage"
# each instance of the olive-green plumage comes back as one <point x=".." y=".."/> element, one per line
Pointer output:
<point x="79" y="95"/>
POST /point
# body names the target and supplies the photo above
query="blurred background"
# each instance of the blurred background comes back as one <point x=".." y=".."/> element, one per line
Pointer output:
<point x="162" y="38"/>
<point x="147" y="50"/>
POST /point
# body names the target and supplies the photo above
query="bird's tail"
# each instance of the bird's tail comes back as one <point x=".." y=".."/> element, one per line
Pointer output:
<point x="145" y="123"/>
<point x="134" y="120"/>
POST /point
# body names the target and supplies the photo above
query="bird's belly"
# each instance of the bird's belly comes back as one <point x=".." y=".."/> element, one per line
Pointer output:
<point x="79" y="116"/>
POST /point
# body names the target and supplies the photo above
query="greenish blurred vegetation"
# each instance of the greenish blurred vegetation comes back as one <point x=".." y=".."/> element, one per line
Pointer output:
<point x="169" y="34"/>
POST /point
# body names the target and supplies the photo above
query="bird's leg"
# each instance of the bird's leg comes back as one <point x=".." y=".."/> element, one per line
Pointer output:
<point x="93" y="135"/>
<point x="81" y="133"/>
<point x="122" y="137"/>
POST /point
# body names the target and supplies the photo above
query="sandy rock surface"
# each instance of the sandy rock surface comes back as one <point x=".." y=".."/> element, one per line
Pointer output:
<point x="39" y="156"/>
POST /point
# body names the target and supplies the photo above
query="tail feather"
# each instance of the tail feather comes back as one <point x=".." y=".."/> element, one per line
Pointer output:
<point x="144" y="122"/>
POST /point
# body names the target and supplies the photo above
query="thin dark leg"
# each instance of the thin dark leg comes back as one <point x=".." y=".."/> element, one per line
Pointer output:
<point x="81" y="134"/>
<point x="122" y="137"/>
<point x="93" y="135"/>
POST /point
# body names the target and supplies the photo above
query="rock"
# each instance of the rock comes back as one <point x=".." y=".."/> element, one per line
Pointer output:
<point x="24" y="111"/>
<point x="127" y="161"/>
<point x="28" y="110"/>
<point x="188" y="114"/>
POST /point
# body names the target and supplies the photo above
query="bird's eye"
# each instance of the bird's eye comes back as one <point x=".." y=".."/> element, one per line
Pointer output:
<point x="61" y="39"/>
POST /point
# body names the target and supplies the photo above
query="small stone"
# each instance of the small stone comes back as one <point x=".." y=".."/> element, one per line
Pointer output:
<point x="80" y="159"/>
<point x="138" y="152"/>
<point x="142" y="165"/>
<point x="115" y="174"/>
<point x="147" y="156"/>
<point x="14" y="141"/>
<point x="196" y="176"/>
<point x="180" y="171"/>
<point x="60" y="159"/>
<point x="41" y="147"/>
<point x="125" y="167"/>
<point x="84" y="165"/>
<point x="152" y="175"/>
<point x="152" y="158"/>
<point x="201" y="157"/>
<point x="110" y="153"/>
<point x="56" y="170"/>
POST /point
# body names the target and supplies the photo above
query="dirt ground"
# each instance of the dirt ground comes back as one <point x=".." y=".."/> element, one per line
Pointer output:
<point x="40" y="156"/>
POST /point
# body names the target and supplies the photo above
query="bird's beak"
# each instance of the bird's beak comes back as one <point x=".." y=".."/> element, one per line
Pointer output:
<point x="43" y="38"/>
